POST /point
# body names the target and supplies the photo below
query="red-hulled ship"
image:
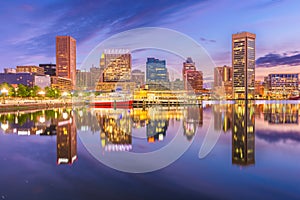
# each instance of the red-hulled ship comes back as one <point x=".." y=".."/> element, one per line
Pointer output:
<point x="112" y="101"/>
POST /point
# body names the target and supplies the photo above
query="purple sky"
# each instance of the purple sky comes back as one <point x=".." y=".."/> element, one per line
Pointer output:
<point x="28" y="28"/>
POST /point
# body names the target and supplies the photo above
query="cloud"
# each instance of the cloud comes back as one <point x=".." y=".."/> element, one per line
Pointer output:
<point x="33" y="33"/>
<point x="202" y="39"/>
<point x="273" y="59"/>
<point x="273" y="137"/>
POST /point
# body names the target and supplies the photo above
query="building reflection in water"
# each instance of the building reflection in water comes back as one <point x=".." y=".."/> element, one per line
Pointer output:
<point x="66" y="139"/>
<point x="243" y="134"/>
<point x="157" y="125"/>
<point x="115" y="129"/>
<point x="193" y="118"/>
<point x="56" y="122"/>
<point x="222" y="117"/>
<point x="281" y="113"/>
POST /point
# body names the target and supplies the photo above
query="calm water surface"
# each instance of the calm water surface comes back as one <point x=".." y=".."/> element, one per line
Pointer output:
<point x="53" y="154"/>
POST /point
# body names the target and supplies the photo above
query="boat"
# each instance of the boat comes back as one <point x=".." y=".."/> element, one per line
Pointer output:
<point x="112" y="100"/>
<point x="294" y="98"/>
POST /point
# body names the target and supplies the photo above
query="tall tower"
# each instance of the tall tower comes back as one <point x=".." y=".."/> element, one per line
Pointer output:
<point x="243" y="62"/>
<point x="66" y="58"/>
<point x="192" y="78"/>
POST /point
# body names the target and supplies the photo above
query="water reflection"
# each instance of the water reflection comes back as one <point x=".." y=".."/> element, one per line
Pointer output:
<point x="243" y="134"/>
<point x="152" y="128"/>
<point x="58" y="122"/>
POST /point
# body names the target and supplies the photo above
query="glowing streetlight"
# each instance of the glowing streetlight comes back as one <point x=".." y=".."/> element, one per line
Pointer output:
<point x="4" y="92"/>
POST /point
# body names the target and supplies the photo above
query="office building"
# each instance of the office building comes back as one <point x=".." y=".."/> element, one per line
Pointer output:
<point x="36" y="70"/>
<point x="193" y="79"/>
<point x="156" y="70"/>
<point x="116" y="65"/>
<point x="243" y="63"/>
<point x="49" y="69"/>
<point x="284" y="84"/>
<point x="66" y="58"/>
<point x="138" y="77"/>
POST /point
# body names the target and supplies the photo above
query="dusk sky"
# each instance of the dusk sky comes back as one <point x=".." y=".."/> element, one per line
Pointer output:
<point x="28" y="28"/>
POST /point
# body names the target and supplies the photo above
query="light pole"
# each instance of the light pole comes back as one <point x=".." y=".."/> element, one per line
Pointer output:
<point x="42" y="93"/>
<point x="4" y="92"/>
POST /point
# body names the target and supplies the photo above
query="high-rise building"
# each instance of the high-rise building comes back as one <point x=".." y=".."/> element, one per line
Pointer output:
<point x="156" y="70"/>
<point x="116" y="64"/>
<point x="193" y="79"/>
<point x="138" y="77"/>
<point x="49" y="69"/>
<point x="243" y="134"/>
<point x="243" y="62"/>
<point x="66" y="58"/>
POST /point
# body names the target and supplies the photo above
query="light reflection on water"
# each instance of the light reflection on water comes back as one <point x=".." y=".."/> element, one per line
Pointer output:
<point x="257" y="148"/>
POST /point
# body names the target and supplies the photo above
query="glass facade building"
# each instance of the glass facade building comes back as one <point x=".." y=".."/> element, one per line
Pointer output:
<point x="156" y="70"/>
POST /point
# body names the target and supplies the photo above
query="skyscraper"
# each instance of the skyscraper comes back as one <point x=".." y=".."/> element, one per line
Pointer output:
<point x="66" y="58"/>
<point x="156" y="70"/>
<point x="193" y="79"/>
<point x="243" y="62"/>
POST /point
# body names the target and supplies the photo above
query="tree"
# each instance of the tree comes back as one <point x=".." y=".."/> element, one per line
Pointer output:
<point x="52" y="92"/>
<point x="23" y="91"/>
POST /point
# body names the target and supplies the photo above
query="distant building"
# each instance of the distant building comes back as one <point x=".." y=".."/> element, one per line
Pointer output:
<point x="177" y="85"/>
<point x="282" y="83"/>
<point x="193" y="79"/>
<point x="138" y="77"/>
<point x="31" y="69"/>
<point x="18" y="78"/>
<point x="243" y="63"/>
<point x="223" y="79"/>
<point x="42" y="81"/>
<point x="63" y="84"/>
<point x="222" y="75"/>
<point x="10" y="70"/>
<point x="156" y="70"/>
<point x="96" y="73"/>
<point x="66" y="58"/>
<point x="49" y="69"/>
<point x="83" y="80"/>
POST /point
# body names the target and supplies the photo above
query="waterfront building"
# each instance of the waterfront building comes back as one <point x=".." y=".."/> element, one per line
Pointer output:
<point x="66" y="58"/>
<point x="49" y="69"/>
<point x="30" y="69"/>
<point x="283" y="84"/>
<point x="243" y="63"/>
<point x="177" y="84"/>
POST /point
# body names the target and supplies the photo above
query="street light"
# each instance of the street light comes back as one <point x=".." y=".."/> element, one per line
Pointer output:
<point x="42" y="93"/>
<point x="4" y="92"/>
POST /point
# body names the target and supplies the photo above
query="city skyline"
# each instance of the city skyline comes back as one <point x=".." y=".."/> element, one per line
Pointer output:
<point x="26" y="41"/>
